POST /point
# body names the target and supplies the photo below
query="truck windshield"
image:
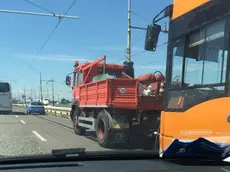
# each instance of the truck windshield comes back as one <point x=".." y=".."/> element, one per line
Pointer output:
<point x="4" y="87"/>
<point x="199" y="64"/>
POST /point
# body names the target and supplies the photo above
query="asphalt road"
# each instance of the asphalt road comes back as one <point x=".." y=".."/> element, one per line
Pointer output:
<point x="22" y="134"/>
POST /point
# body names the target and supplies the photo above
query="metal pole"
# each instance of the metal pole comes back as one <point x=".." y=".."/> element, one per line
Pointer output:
<point x="18" y="95"/>
<point x="25" y="93"/>
<point x="140" y="28"/>
<point x="31" y="94"/>
<point x="48" y="93"/>
<point x="39" y="14"/>
<point x="52" y="90"/>
<point x="41" y="86"/>
<point x="129" y="32"/>
<point x="39" y="93"/>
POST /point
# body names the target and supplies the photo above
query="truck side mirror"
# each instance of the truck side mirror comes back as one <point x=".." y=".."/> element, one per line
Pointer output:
<point x="68" y="80"/>
<point x="152" y="36"/>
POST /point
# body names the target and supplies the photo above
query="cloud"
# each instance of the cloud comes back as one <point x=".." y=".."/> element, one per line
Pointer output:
<point x="66" y="58"/>
<point x="7" y="49"/>
<point x="63" y="58"/>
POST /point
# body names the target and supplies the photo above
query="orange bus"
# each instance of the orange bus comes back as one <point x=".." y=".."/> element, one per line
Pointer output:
<point x="197" y="53"/>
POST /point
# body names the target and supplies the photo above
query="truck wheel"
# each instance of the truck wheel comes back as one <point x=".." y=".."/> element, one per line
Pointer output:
<point x="77" y="129"/>
<point x="102" y="129"/>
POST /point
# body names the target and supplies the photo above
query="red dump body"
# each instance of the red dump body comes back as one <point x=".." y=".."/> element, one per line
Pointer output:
<point x="116" y="92"/>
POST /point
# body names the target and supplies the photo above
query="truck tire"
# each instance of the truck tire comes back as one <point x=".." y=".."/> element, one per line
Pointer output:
<point x="102" y="130"/>
<point x="77" y="129"/>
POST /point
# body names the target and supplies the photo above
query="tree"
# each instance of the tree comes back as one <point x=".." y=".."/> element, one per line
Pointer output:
<point x="64" y="101"/>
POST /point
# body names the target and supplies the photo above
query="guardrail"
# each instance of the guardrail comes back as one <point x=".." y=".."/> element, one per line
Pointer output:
<point x="57" y="111"/>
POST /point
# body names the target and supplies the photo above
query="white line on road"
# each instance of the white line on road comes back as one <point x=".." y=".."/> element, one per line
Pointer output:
<point x="16" y="116"/>
<point x="22" y="121"/>
<point x="39" y="136"/>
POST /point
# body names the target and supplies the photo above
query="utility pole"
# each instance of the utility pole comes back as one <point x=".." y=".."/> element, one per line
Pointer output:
<point x="41" y="97"/>
<point x="52" y="81"/>
<point x="58" y="96"/>
<point x="47" y="93"/>
<point x="18" y="95"/>
<point x="52" y="90"/>
<point x="35" y="94"/>
<point x="25" y="93"/>
<point x="129" y="32"/>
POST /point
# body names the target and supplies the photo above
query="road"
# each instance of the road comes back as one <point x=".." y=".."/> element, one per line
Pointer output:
<point x="23" y="134"/>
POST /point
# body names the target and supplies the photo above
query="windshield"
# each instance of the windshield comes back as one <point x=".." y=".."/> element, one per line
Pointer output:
<point x="199" y="67"/>
<point x="4" y="87"/>
<point x="100" y="106"/>
<point x="36" y="103"/>
<point x="69" y="79"/>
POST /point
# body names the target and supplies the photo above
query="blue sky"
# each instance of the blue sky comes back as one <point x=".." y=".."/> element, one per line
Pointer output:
<point x="101" y="30"/>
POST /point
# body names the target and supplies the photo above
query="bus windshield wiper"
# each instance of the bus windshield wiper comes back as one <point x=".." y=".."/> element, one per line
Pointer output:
<point x="66" y="152"/>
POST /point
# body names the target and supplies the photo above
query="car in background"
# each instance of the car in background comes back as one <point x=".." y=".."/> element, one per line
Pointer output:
<point x="45" y="102"/>
<point x="35" y="108"/>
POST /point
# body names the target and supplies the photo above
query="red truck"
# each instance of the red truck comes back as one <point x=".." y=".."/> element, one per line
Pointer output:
<point x="109" y="100"/>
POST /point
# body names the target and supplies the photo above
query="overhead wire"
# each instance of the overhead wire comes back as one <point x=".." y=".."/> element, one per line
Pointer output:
<point x="141" y="52"/>
<point x="44" y="44"/>
<point x="134" y="42"/>
<point x="32" y="3"/>
<point x="144" y="19"/>
<point x="151" y="62"/>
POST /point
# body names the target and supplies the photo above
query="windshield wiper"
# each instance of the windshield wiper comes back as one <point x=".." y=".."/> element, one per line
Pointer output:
<point x="66" y="152"/>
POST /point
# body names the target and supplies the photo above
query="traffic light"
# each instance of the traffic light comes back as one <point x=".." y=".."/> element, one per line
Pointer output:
<point x="152" y="36"/>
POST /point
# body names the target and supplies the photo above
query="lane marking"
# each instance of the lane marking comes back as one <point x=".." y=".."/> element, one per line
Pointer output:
<point x="39" y="136"/>
<point x="22" y="121"/>
<point x="16" y="116"/>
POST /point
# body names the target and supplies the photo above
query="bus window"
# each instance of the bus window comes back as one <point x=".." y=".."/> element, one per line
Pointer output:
<point x="4" y="87"/>
<point x="206" y="56"/>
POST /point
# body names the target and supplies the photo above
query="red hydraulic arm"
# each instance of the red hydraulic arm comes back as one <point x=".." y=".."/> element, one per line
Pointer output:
<point x="88" y="69"/>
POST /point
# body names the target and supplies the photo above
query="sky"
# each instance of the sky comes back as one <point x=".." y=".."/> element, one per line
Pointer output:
<point x="101" y="30"/>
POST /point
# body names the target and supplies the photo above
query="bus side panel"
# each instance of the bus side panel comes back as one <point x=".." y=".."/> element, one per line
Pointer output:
<point x="161" y="138"/>
<point x="5" y="101"/>
<point x="210" y="119"/>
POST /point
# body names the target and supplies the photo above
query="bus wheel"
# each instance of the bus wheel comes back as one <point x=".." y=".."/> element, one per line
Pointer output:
<point x="77" y="129"/>
<point x="102" y="129"/>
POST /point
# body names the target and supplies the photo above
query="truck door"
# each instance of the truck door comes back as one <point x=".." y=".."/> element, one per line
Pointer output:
<point x="77" y="82"/>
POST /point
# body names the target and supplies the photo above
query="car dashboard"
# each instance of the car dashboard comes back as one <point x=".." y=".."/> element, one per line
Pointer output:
<point x="112" y="166"/>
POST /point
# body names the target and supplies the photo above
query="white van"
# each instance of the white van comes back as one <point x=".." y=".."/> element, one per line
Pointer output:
<point x="5" y="97"/>
<point x="45" y="101"/>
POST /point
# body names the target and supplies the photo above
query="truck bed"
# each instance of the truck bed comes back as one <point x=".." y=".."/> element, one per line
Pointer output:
<point x="116" y="93"/>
